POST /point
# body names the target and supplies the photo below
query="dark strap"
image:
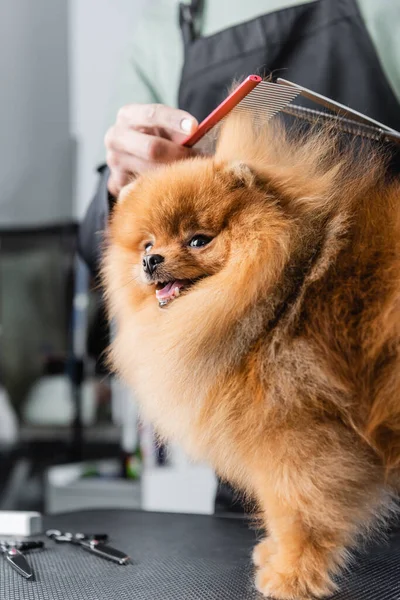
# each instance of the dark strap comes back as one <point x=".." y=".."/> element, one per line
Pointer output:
<point x="188" y="19"/>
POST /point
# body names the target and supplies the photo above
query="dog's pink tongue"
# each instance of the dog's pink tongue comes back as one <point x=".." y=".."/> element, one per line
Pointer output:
<point x="169" y="290"/>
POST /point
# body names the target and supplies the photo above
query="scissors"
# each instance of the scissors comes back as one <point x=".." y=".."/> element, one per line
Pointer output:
<point x="13" y="552"/>
<point x="94" y="543"/>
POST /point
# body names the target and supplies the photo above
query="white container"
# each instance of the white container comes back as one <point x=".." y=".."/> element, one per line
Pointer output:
<point x="186" y="489"/>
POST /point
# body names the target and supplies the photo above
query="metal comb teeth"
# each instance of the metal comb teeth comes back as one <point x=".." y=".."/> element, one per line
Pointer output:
<point x="263" y="102"/>
<point x="345" y="118"/>
<point x="343" y="124"/>
<point x="267" y="99"/>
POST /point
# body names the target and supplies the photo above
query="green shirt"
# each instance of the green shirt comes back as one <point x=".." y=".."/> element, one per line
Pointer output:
<point x="152" y="68"/>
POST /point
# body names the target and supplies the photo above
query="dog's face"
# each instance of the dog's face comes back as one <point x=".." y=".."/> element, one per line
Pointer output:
<point x="178" y="224"/>
<point x="173" y="263"/>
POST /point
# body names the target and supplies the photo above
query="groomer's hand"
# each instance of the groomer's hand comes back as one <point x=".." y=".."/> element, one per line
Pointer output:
<point x="144" y="136"/>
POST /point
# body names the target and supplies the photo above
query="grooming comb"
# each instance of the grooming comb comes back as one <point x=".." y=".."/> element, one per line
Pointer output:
<point x="265" y="99"/>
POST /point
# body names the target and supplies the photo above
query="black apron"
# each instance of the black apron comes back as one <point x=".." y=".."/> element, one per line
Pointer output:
<point x="322" y="45"/>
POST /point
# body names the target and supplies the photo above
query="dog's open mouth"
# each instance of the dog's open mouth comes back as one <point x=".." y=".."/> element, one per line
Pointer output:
<point x="169" y="290"/>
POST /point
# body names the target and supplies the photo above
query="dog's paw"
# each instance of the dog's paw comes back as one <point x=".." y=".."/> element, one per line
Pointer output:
<point x="263" y="551"/>
<point x="293" y="584"/>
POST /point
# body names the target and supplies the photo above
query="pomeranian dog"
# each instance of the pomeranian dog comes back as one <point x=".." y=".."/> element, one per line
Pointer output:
<point x="256" y="295"/>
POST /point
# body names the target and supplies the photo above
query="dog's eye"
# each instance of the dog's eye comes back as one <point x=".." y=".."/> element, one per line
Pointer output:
<point x="148" y="246"/>
<point x="198" y="241"/>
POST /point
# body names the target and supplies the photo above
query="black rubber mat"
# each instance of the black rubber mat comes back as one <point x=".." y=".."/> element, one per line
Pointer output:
<point x="175" y="557"/>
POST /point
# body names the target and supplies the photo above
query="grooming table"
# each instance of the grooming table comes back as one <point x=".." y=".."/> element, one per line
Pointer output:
<point x="175" y="557"/>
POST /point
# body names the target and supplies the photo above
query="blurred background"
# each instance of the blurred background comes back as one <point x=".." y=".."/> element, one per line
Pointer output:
<point x="70" y="436"/>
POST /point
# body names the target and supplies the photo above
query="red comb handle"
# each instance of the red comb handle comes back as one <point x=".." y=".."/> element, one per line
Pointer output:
<point x="223" y="109"/>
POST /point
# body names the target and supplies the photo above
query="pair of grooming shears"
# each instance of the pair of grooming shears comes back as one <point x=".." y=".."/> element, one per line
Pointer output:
<point x="94" y="543"/>
<point x="14" y="553"/>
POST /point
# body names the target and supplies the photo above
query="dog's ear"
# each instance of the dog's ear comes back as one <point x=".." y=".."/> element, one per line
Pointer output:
<point x="240" y="174"/>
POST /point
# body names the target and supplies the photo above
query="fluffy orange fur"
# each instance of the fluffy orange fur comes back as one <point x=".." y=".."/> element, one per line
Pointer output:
<point x="280" y="363"/>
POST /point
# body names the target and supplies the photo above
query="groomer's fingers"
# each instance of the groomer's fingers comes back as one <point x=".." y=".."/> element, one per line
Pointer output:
<point x="123" y="162"/>
<point x="177" y="123"/>
<point x="155" y="149"/>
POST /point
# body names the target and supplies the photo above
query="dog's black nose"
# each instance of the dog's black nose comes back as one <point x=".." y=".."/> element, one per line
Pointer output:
<point x="150" y="261"/>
